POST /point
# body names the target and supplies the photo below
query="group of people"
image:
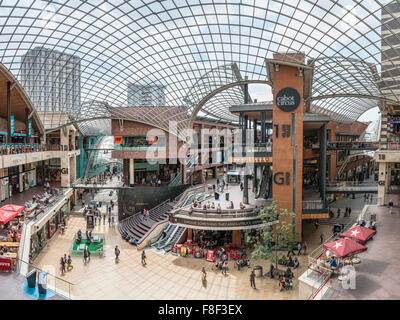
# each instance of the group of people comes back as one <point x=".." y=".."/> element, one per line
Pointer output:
<point x="368" y="197"/>
<point x="347" y="212"/>
<point x="66" y="264"/>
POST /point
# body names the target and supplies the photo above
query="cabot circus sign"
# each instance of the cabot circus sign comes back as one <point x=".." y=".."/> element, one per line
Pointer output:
<point x="288" y="99"/>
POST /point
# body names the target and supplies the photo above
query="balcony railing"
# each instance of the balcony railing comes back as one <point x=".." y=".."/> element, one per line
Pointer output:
<point x="352" y="145"/>
<point x="20" y="148"/>
<point x="120" y="147"/>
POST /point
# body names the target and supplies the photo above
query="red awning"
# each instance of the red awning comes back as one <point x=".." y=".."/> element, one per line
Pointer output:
<point x="359" y="233"/>
<point x="6" y="216"/>
<point x="345" y="247"/>
<point x="12" y="207"/>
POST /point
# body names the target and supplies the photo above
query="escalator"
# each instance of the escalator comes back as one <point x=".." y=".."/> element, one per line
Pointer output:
<point x="173" y="234"/>
<point x="175" y="238"/>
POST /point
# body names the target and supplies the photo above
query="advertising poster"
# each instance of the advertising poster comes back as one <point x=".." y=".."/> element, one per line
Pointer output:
<point x="5" y="263"/>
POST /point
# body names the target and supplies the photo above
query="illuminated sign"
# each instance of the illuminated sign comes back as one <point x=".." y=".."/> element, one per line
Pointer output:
<point x="288" y="99"/>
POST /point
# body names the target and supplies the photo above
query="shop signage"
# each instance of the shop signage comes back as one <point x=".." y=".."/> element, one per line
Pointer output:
<point x="5" y="264"/>
<point x="217" y="224"/>
<point x="29" y="128"/>
<point x="12" y="124"/>
<point x="117" y="139"/>
<point x="282" y="178"/>
<point x="288" y="99"/>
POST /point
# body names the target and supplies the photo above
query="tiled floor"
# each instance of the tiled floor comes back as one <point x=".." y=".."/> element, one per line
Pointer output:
<point x="164" y="277"/>
<point x="378" y="275"/>
<point x="11" y="288"/>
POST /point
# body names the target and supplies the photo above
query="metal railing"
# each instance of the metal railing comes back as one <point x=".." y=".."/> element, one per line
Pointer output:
<point x="312" y="204"/>
<point x="59" y="286"/>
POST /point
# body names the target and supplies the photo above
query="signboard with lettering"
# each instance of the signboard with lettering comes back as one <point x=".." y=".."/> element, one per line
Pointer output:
<point x="288" y="99"/>
<point x="12" y="124"/>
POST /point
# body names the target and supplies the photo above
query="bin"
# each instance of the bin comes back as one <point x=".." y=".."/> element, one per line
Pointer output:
<point x="258" y="271"/>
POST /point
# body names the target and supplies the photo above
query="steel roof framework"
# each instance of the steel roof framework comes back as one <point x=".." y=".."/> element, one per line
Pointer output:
<point x="194" y="48"/>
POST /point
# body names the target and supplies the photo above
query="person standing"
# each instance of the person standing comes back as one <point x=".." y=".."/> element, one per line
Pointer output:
<point x="144" y="258"/>
<point x="349" y="211"/>
<point x="104" y="219"/>
<point x="298" y="248"/>
<point x="338" y="212"/>
<point x="109" y="221"/>
<point x="252" y="279"/>
<point x="322" y="238"/>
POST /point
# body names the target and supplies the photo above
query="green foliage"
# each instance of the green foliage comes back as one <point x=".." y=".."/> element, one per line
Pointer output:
<point x="268" y="240"/>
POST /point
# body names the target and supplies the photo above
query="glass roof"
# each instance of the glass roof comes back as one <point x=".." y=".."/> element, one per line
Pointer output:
<point x="200" y="52"/>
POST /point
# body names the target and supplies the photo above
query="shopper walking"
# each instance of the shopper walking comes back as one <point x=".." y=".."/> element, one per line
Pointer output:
<point x="62" y="265"/>
<point x="104" y="219"/>
<point x="322" y="238"/>
<point x="299" y="248"/>
<point x="253" y="280"/>
<point x="143" y="258"/>
<point x="117" y="252"/>
<point x="85" y="256"/>
<point x="204" y="274"/>
<point x="69" y="263"/>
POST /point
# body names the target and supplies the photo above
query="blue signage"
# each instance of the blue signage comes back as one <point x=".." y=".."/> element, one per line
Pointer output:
<point x="12" y="125"/>
<point x="29" y="128"/>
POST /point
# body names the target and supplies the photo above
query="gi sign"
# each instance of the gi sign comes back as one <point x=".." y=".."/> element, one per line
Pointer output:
<point x="288" y="99"/>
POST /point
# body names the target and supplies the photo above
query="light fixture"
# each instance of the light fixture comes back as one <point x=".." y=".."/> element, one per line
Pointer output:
<point x="276" y="67"/>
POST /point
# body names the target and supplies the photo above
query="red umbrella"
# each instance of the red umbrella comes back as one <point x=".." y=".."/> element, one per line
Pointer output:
<point x="344" y="247"/>
<point x="12" y="207"/>
<point x="359" y="233"/>
<point x="6" y="215"/>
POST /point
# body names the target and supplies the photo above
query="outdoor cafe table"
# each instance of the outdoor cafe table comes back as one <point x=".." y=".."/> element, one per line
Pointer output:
<point x="9" y="244"/>
<point x="11" y="255"/>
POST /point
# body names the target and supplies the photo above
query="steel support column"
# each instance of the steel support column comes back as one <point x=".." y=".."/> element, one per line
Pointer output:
<point x="322" y="163"/>
<point x="8" y="112"/>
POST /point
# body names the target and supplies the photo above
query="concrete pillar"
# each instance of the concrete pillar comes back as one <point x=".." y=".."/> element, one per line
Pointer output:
<point x="236" y="238"/>
<point x="65" y="162"/>
<point x="189" y="234"/>
<point x="263" y="127"/>
<point x="131" y="172"/>
<point x="381" y="183"/>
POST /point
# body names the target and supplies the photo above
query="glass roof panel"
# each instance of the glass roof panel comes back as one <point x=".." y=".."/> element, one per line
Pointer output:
<point x="69" y="54"/>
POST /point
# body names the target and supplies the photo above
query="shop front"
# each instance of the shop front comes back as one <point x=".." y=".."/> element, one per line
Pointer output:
<point x="4" y="191"/>
<point x="13" y="174"/>
<point x="38" y="241"/>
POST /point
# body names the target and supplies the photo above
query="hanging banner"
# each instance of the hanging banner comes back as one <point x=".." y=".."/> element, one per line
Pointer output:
<point x="12" y="124"/>
<point x="5" y="263"/>
<point x="29" y="128"/>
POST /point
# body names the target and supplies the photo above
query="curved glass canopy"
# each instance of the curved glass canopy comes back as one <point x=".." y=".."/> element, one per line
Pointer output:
<point x="200" y="53"/>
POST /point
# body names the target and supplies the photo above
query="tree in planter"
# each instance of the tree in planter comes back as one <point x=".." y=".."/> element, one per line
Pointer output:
<point x="268" y="240"/>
